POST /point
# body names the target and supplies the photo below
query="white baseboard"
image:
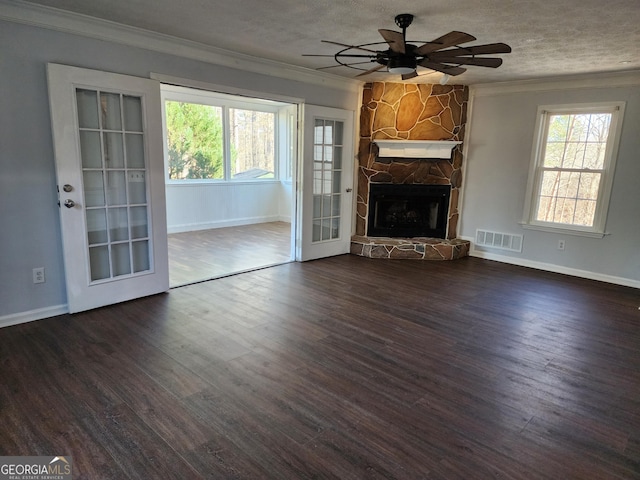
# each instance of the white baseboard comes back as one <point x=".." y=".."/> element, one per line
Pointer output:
<point x="47" y="312"/>
<point x="236" y="222"/>
<point x="32" y="315"/>
<point x="550" y="267"/>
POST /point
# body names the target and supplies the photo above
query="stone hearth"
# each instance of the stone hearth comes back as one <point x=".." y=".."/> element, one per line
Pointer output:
<point x="416" y="248"/>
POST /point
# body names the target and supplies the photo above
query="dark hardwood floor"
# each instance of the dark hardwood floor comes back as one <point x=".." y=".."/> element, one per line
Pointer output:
<point x="217" y="252"/>
<point x="341" y="368"/>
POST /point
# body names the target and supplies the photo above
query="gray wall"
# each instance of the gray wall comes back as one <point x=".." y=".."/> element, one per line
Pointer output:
<point x="29" y="219"/>
<point x="500" y="143"/>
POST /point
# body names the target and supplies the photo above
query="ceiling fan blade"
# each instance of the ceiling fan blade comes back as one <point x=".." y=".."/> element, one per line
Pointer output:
<point x="357" y="47"/>
<point x="474" y="50"/>
<point x="453" y="71"/>
<point x="342" y="65"/>
<point x="353" y="55"/>
<point x="445" y="41"/>
<point x="478" y="61"/>
<point x="407" y="76"/>
<point x="371" y="70"/>
<point x="394" y="39"/>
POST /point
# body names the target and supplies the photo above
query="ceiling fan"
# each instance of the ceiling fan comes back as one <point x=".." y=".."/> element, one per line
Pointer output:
<point x="443" y="54"/>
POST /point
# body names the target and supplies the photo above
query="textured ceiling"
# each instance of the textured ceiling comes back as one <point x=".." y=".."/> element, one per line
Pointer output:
<point x="548" y="38"/>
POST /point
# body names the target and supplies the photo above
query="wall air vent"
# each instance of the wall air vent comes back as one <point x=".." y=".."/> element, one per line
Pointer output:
<point x="502" y="241"/>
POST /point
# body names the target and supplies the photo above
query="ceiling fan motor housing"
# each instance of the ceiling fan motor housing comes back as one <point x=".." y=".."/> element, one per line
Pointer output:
<point x="404" y="20"/>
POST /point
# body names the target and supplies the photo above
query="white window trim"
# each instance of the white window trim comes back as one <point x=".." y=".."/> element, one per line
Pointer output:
<point x="216" y="99"/>
<point x="606" y="186"/>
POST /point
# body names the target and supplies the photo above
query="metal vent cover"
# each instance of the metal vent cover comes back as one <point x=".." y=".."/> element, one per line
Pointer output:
<point x="499" y="240"/>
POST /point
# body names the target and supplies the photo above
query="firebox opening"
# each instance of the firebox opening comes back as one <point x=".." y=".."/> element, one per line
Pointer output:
<point x="397" y="210"/>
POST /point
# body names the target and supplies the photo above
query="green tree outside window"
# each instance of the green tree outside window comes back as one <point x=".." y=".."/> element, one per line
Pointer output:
<point x="195" y="141"/>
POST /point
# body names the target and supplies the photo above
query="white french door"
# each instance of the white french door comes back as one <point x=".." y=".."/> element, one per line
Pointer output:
<point x="107" y="136"/>
<point x="326" y="183"/>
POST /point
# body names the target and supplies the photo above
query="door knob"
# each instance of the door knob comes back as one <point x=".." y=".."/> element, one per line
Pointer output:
<point x="67" y="188"/>
<point x="69" y="203"/>
<point x="349" y="189"/>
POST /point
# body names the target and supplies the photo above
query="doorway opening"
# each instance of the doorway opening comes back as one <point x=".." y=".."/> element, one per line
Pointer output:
<point x="229" y="163"/>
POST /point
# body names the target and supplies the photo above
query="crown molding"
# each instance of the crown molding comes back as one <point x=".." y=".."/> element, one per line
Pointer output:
<point x="59" y="20"/>
<point x="593" y="80"/>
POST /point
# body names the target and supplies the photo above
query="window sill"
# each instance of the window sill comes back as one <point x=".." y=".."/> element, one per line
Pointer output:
<point x="563" y="230"/>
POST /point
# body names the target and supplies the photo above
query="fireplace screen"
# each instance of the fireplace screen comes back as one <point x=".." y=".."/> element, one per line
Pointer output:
<point x="408" y="210"/>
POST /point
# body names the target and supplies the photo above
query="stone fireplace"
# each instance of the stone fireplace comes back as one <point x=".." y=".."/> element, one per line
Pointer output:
<point x="407" y="114"/>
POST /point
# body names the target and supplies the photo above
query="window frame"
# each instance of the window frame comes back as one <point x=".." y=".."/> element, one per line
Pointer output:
<point x="228" y="101"/>
<point x="536" y="168"/>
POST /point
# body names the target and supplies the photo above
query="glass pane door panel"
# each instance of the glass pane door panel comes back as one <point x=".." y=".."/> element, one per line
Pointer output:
<point x="135" y="150"/>
<point x="326" y="205"/>
<point x="138" y="222"/>
<point x="335" y="228"/>
<point x="335" y="206"/>
<point x="137" y="187"/>
<point x="140" y="253"/>
<point x="93" y="188"/>
<point x="120" y="258"/>
<point x="337" y="182"/>
<point x="87" y="103"/>
<point x="317" y="206"/>
<point x="328" y="132"/>
<point x="327" y="184"/>
<point x="116" y="188"/>
<point x="118" y="224"/>
<point x="90" y="150"/>
<point x="111" y="112"/>
<point x="338" y="132"/>
<point x="99" y="262"/>
<point x="97" y="226"/>
<point x="132" y="113"/>
<point x="114" y="172"/>
<point x="113" y="150"/>
<point x="326" y="229"/>
<point x="337" y="157"/>
<point x="317" y="230"/>
<point x="328" y="157"/>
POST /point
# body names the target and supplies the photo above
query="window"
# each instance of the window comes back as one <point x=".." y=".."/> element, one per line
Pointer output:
<point x="217" y="137"/>
<point x="572" y="167"/>
<point x="194" y="141"/>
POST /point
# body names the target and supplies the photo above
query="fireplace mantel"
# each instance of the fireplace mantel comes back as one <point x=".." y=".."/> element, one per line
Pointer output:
<point x="436" y="149"/>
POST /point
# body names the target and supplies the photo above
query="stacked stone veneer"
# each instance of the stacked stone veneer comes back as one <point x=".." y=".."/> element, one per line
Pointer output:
<point x="401" y="111"/>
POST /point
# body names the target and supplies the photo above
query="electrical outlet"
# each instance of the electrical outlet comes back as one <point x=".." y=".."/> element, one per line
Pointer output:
<point x="560" y="244"/>
<point x="38" y="275"/>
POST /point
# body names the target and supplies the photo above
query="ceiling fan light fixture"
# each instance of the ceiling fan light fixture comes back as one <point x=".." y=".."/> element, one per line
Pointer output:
<point x="401" y="65"/>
